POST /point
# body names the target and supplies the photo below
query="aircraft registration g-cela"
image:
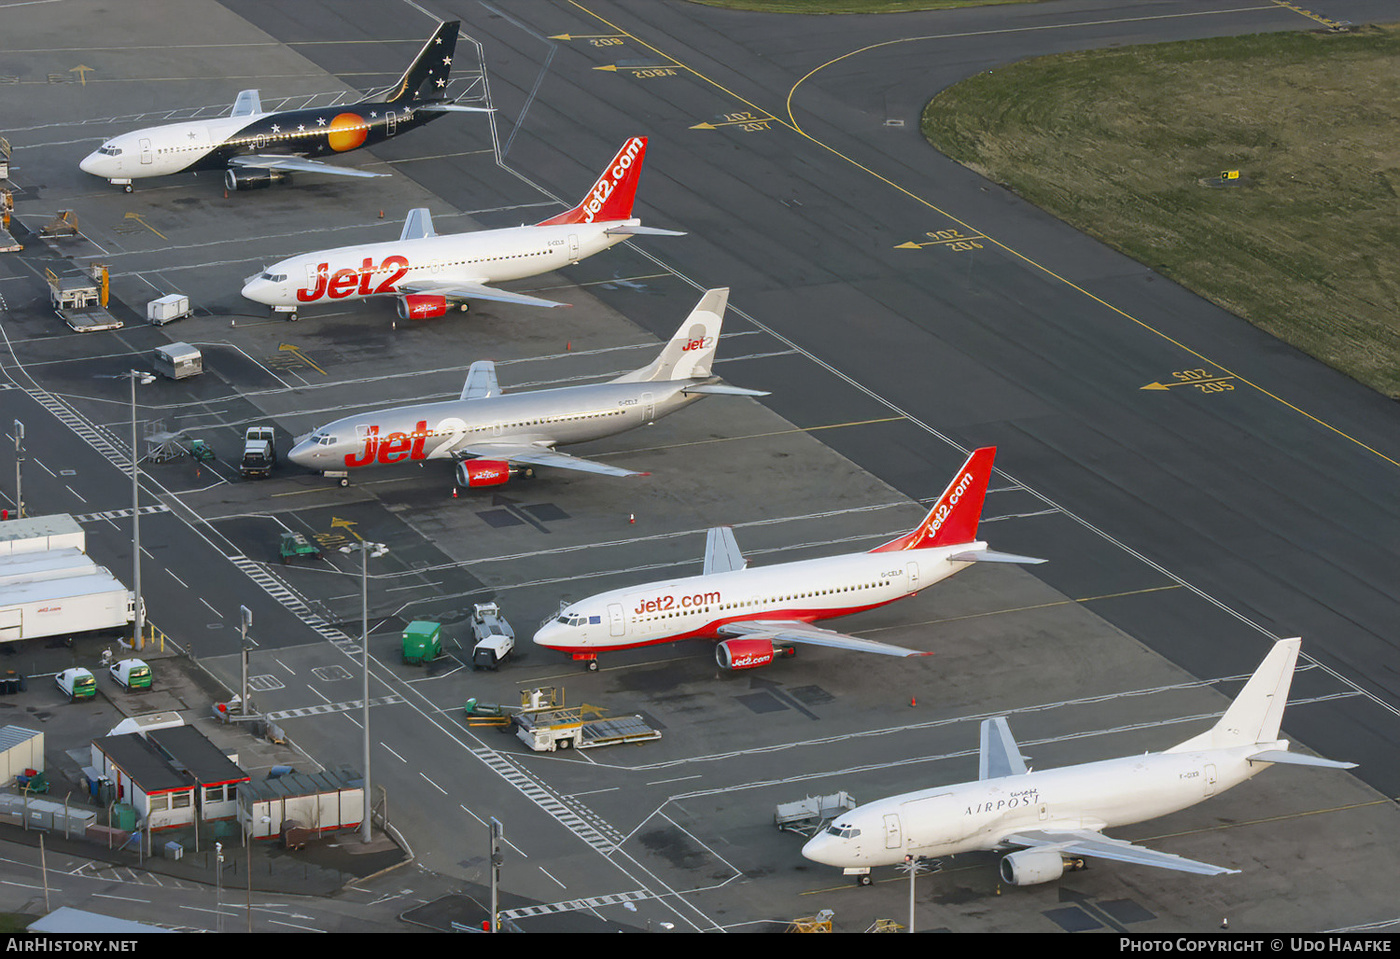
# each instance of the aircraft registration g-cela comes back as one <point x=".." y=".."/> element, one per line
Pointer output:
<point x="490" y="436"/>
<point x="256" y="149"/>
<point x="761" y="613"/>
<point x="425" y="271"/>
<point x="1053" y="818"/>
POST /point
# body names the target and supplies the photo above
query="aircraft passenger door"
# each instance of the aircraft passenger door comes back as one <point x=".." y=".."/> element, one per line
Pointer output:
<point x="1210" y="779"/>
<point x="145" y="150"/>
<point x="894" y="837"/>
<point x="913" y="570"/>
<point x="617" y="625"/>
<point x="573" y="247"/>
<point x="648" y="407"/>
<point x="390" y="119"/>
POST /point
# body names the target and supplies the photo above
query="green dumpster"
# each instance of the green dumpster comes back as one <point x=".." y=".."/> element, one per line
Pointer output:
<point x="422" y="642"/>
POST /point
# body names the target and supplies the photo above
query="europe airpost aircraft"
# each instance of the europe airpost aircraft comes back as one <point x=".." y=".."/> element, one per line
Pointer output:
<point x="256" y="149"/>
<point x="1053" y="817"/>
<point x="760" y="613"/>
<point x="490" y="436"/>
<point x="425" y="271"/>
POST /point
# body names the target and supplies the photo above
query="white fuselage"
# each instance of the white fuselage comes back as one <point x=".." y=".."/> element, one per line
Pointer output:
<point x="435" y="431"/>
<point x="698" y="605"/>
<point x="379" y="269"/>
<point x="948" y="820"/>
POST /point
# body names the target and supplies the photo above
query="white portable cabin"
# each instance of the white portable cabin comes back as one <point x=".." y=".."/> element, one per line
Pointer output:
<point x="177" y="361"/>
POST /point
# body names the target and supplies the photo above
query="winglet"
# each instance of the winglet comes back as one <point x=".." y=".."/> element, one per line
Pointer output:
<point x="612" y="195"/>
<point x="999" y="755"/>
<point x="954" y="518"/>
<point x="418" y="225"/>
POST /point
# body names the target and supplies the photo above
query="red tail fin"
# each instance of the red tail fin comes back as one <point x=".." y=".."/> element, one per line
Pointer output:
<point x="611" y="197"/>
<point x="953" y="519"/>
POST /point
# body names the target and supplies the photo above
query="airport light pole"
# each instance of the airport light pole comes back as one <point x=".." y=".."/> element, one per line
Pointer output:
<point x="365" y="548"/>
<point x="138" y="633"/>
<point x="915" y="866"/>
<point x="19" y="473"/>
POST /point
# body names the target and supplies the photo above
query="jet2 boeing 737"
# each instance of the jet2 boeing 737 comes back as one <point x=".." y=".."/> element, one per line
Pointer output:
<point x="256" y="149"/>
<point x="1056" y="816"/>
<point x="426" y="271"/>
<point x="760" y="613"/>
<point x="490" y="436"/>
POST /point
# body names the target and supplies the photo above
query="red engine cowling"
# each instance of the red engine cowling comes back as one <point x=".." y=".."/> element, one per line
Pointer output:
<point x="483" y="472"/>
<point x="744" y="653"/>
<point x="420" y="306"/>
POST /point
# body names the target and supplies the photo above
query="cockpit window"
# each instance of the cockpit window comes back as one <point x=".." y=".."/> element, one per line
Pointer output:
<point x="843" y="832"/>
<point x="275" y="277"/>
<point x="108" y="150"/>
<point x="324" y="439"/>
<point x="572" y="619"/>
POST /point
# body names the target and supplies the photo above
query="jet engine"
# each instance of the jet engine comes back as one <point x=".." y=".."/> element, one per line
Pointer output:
<point x="749" y="653"/>
<point x="420" y="306"/>
<point x="1030" y="866"/>
<point x="483" y="473"/>
<point x="252" y="180"/>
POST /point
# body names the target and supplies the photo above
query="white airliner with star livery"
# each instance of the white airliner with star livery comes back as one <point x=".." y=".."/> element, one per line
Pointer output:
<point x="426" y="272"/>
<point x="490" y="436"/>
<point x="1052" y="818"/>
<point x="254" y="148"/>
<point x="759" y="614"/>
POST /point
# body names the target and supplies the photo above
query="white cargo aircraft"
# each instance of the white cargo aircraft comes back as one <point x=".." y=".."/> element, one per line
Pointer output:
<point x="256" y="149"/>
<point x="764" y="611"/>
<point x="425" y="271"/>
<point x="1056" y="816"/>
<point x="491" y="436"/>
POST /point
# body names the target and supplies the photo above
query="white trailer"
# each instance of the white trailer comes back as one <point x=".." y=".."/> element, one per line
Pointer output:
<point x="34" y="534"/>
<point x="51" y="564"/>
<point x="63" y="607"/>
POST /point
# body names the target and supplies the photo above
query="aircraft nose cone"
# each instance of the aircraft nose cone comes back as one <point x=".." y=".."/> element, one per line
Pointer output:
<point x="818" y="849"/>
<point x="92" y="163"/>
<point x="550" y="635"/>
<point x="301" y="453"/>
<point x="257" y="290"/>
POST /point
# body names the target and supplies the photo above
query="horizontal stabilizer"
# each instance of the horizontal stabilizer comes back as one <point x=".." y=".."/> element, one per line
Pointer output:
<point x="991" y="556"/>
<point x="481" y="381"/>
<point x="723" y="389"/>
<point x="453" y="108"/>
<point x="248" y="104"/>
<point x="418" y="225"/>
<point x="294" y="165"/>
<point x="1297" y="759"/>
<point x="722" y="553"/>
<point x="999" y="755"/>
<point x="637" y="229"/>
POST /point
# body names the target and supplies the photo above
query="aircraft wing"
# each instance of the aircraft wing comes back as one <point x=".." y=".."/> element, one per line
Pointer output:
<point x="795" y="631"/>
<point x="722" y="389"/>
<point x="452" y="108"/>
<point x="1000" y="756"/>
<point x="540" y="456"/>
<point x="1088" y="842"/>
<point x="481" y="381"/>
<point x="275" y="161"/>
<point x="722" y="553"/>
<point x="636" y="229"/>
<point x="248" y="104"/>
<point x="475" y="291"/>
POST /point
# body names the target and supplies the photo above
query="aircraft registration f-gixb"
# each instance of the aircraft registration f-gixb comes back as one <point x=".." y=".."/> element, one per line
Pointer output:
<point x="425" y="271"/>
<point x="257" y="149"/>
<point x="1054" y="817"/>
<point x="490" y="436"/>
<point x="760" y="613"/>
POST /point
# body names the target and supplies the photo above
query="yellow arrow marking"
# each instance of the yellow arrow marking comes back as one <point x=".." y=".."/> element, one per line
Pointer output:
<point x="345" y="524"/>
<point x="81" y="71"/>
<point x="296" y="351"/>
<point x="1168" y="386"/>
